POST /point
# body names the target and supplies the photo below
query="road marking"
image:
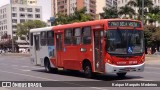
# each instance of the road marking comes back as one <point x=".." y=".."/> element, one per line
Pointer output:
<point x="141" y="80"/>
<point x="25" y="66"/>
<point x="22" y="69"/>
<point x="3" y="64"/>
<point x="152" y="72"/>
<point x="32" y="67"/>
<point x="98" y="88"/>
<point x="47" y="79"/>
<point x="132" y="79"/>
<point x="4" y="88"/>
<point x="28" y="75"/>
<point x="152" y="67"/>
<point x="14" y="65"/>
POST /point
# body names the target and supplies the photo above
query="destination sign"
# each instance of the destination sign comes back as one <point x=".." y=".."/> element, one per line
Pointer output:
<point x="124" y="24"/>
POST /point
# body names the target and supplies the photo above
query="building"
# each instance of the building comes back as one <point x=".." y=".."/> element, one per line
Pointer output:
<point x="94" y="7"/>
<point x="61" y="6"/>
<point x="5" y="20"/>
<point x="69" y="6"/>
<point x="19" y="14"/>
<point x="100" y="4"/>
<point x="24" y="2"/>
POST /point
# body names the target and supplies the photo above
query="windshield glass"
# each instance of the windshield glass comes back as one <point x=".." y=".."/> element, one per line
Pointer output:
<point x="124" y="41"/>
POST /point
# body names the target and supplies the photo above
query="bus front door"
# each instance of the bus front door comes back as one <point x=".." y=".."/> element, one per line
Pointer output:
<point x="98" y="57"/>
<point x="37" y="49"/>
<point x="59" y="48"/>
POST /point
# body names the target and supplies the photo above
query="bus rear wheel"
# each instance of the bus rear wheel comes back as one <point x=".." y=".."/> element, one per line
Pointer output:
<point x="87" y="70"/>
<point x="121" y="75"/>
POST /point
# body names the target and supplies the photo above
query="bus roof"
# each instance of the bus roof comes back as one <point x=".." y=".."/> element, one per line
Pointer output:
<point x="41" y="29"/>
<point x="89" y="23"/>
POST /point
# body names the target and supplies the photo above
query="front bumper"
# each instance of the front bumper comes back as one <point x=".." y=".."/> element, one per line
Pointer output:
<point x="120" y="69"/>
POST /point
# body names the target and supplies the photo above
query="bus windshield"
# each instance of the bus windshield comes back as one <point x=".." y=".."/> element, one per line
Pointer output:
<point x="124" y="42"/>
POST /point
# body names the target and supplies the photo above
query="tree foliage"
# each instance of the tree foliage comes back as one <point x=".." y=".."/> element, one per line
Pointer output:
<point x="23" y="28"/>
<point x="127" y="10"/>
<point x="77" y="16"/>
<point x="109" y="13"/>
<point x="153" y="15"/>
<point x="152" y="36"/>
<point x="138" y="4"/>
<point x="152" y="18"/>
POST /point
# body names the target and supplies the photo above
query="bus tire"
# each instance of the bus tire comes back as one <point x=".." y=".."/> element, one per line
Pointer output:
<point x="48" y="66"/>
<point x="87" y="70"/>
<point x="121" y="75"/>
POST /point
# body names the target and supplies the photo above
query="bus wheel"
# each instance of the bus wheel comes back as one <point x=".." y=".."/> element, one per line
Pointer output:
<point x="47" y="66"/>
<point x="87" y="70"/>
<point x="121" y="74"/>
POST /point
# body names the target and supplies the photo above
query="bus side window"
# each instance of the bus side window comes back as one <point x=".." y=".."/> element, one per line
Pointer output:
<point x="31" y="39"/>
<point x="76" y="36"/>
<point x="86" y="35"/>
<point x="68" y="37"/>
<point x="43" y="38"/>
<point x="50" y="38"/>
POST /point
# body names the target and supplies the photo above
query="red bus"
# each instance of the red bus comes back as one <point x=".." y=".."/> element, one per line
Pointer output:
<point x="101" y="46"/>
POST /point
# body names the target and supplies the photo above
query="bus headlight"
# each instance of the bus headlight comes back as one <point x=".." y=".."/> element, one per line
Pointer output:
<point x="142" y="60"/>
<point x="109" y="61"/>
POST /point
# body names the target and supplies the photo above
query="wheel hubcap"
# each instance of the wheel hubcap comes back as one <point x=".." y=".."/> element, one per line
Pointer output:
<point x="46" y="66"/>
<point x="87" y="70"/>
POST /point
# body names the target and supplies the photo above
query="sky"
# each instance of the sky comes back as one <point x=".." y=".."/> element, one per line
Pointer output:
<point x="46" y="7"/>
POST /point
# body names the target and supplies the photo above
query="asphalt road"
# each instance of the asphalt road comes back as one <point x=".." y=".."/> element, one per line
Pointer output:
<point x="19" y="68"/>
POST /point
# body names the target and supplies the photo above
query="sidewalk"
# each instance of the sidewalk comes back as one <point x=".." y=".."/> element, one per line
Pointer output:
<point x="152" y="57"/>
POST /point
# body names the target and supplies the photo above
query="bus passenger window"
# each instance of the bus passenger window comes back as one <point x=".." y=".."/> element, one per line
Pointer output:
<point x="68" y="37"/>
<point x="43" y="38"/>
<point x="76" y="36"/>
<point x="31" y="39"/>
<point x="86" y="35"/>
<point x="50" y="38"/>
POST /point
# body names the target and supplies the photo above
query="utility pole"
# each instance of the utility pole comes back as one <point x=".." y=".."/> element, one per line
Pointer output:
<point x="143" y="12"/>
<point x="11" y="27"/>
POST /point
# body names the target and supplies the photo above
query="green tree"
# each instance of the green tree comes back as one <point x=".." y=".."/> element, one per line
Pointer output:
<point x="61" y="19"/>
<point x="77" y="16"/>
<point x="154" y="10"/>
<point x="109" y="13"/>
<point x="152" y="18"/>
<point x="126" y="10"/>
<point x="23" y="28"/>
<point x="152" y="36"/>
<point x="138" y="4"/>
<point x="154" y="14"/>
<point x="158" y="18"/>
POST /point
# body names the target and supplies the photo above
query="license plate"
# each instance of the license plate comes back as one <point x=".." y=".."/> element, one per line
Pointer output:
<point x="132" y="62"/>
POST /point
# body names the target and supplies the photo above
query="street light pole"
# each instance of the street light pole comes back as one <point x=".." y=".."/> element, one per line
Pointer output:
<point x="143" y="12"/>
<point x="12" y="28"/>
